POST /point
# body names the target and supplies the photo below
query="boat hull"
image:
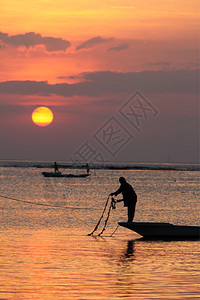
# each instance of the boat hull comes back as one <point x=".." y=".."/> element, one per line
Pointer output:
<point x="59" y="174"/>
<point x="163" y="230"/>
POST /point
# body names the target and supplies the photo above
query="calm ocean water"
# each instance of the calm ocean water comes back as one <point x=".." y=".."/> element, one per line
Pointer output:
<point x="45" y="252"/>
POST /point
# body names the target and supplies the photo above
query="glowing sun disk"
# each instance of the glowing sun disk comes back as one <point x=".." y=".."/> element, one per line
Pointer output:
<point x="42" y="116"/>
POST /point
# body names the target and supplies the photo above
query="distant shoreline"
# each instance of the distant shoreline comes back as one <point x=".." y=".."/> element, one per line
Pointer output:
<point x="103" y="166"/>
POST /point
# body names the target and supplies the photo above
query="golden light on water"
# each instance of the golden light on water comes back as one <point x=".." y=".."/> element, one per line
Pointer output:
<point x="42" y="116"/>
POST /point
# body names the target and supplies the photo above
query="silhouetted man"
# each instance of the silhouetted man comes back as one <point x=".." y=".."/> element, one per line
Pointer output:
<point x="129" y="197"/>
<point x="56" y="167"/>
<point x="87" y="167"/>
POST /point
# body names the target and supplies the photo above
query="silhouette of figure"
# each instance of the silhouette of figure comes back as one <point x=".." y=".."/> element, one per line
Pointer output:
<point x="56" y="167"/>
<point x="129" y="197"/>
<point x="130" y="249"/>
<point x="88" y="169"/>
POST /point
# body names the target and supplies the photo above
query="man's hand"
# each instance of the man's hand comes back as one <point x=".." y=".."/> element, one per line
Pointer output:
<point x="120" y="200"/>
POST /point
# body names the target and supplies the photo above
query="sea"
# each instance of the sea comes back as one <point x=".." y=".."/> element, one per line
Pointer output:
<point x="47" y="254"/>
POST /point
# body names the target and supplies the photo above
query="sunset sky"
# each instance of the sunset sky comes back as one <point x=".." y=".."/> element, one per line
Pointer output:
<point x="88" y="61"/>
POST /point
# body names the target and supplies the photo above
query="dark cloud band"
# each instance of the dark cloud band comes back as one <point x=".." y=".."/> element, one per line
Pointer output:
<point x="120" y="47"/>
<point x="31" y="39"/>
<point x="92" y="42"/>
<point x="99" y="83"/>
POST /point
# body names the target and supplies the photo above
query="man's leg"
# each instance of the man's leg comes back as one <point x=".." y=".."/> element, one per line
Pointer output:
<point x="131" y="212"/>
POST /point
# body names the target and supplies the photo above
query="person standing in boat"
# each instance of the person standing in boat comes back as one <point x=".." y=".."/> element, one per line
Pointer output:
<point x="129" y="197"/>
<point x="88" y="169"/>
<point x="56" y="167"/>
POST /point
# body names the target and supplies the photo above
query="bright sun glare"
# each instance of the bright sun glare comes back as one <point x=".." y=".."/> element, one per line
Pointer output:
<point x="42" y="116"/>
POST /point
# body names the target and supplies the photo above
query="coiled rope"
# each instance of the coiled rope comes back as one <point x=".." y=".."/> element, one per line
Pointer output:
<point x="112" y="206"/>
<point x="48" y="205"/>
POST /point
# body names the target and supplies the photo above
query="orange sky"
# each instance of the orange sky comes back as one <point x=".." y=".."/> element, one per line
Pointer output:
<point x="61" y="41"/>
<point x="153" y="30"/>
<point x="81" y="19"/>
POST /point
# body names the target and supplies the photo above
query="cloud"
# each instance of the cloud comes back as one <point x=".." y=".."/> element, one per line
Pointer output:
<point x="161" y="63"/>
<point x="31" y="39"/>
<point x="119" y="47"/>
<point x="92" y="42"/>
<point x="100" y="83"/>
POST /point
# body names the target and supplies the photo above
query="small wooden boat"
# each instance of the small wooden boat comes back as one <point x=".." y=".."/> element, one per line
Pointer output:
<point x="59" y="174"/>
<point x="163" y="230"/>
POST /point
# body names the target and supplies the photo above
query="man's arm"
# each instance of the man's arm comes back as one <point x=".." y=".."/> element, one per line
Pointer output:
<point x="117" y="192"/>
<point x="120" y="200"/>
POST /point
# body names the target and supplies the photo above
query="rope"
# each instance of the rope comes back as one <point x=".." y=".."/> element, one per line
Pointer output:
<point x="48" y="205"/>
<point x="96" y="227"/>
<point x="115" y="230"/>
<point x="106" y="221"/>
<point x="112" y="206"/>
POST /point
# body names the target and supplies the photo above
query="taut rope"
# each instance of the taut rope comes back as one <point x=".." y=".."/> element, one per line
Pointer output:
<point x="112" y="206"/>
<point x="48" y="205"/>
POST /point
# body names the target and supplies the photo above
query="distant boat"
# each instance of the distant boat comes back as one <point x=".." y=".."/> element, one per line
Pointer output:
<point x="59" y="174"/>
<point x="163" y="230"/>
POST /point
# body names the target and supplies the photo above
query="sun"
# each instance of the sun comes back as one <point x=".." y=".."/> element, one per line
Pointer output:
<point x="42" y="116"/>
